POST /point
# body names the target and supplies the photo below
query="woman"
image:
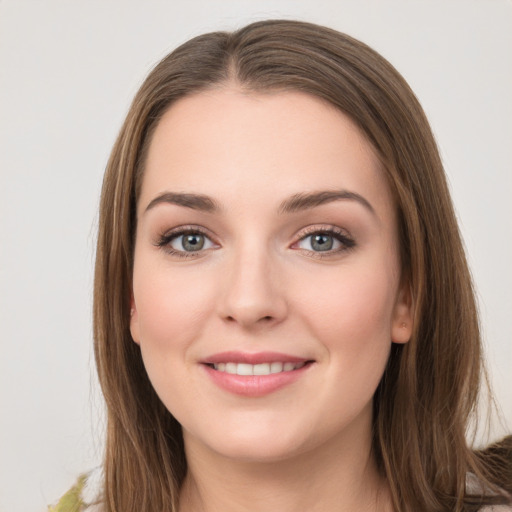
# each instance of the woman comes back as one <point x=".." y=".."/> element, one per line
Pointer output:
<point x="284" y="317"/>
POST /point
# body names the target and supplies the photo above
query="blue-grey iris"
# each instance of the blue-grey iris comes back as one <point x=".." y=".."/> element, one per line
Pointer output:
<point x="322" y="242"/>
<point x="193" y="242"/>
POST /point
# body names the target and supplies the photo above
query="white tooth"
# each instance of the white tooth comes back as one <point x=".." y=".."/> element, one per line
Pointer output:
<point x="276" y="367"/>
<point x="244" y="369"/>
<point x="261" y="369"/>
<point x="257" y="369"/>
<point x="231" y="367"/>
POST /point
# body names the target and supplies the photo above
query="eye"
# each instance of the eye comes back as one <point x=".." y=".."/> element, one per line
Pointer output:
<point x="190" y="242"/>
<point x="327" y="241"/>
<point x="185" y="242"/>
<point x="319" y="242"/>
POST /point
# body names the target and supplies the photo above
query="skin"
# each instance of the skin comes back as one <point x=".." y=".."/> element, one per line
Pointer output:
<point x="260" y="285"/>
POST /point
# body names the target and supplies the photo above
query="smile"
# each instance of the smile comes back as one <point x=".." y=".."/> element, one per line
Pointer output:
<point x="257" y="369"/>
<point x="255" y="374"/>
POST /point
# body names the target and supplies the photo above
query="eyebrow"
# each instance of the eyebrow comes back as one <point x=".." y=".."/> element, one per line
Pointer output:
<point x="297" y="202"/>
<point x="194" y="201"/>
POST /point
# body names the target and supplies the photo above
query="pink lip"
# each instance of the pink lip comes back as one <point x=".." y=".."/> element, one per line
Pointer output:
<point x="252" y="358"/>
<point x="253" y="385"/>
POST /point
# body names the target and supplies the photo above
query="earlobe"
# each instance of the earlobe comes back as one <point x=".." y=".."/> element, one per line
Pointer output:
<point x="403" y="318"/>
<point x="134" y="322"/>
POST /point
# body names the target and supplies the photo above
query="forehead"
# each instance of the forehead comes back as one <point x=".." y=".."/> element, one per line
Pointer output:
<point x="236" y="145"/>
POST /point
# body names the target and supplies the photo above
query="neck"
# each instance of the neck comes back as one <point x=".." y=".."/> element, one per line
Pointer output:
<point x="340" y="476"/>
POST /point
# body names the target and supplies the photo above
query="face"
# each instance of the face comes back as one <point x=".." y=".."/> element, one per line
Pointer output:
<point x="266" y="282"/>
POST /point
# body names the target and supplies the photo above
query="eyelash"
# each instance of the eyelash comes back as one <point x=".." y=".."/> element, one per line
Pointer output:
<point x="164" y="241"/>
<point x="347" y="242"/>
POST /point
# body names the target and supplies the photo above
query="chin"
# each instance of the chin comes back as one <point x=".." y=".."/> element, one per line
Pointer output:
<point x="260" y="452"/>
<point x="260" y="444"/>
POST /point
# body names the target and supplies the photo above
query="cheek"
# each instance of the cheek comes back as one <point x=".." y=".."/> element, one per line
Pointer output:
<point x="171" y="314"/>
<point x="352" y="320"/>
<point x="351" y="313"/>
<point x="170" y="306"/>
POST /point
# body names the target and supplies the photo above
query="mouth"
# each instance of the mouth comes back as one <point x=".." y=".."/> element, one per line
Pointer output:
<point x="255" y="375"/>
<point x="261" y="369"/>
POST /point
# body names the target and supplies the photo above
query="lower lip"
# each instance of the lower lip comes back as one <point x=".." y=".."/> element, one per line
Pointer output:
<point x="254" y="385"/>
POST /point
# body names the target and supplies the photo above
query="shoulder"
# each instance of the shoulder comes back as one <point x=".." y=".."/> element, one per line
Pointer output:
<point x="84" y="496"/>
<point x="474" y="486"/>
<point x="496" y="508"/>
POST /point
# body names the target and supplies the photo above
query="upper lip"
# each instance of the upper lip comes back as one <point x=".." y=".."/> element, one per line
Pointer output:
<point x="253" y="358"/>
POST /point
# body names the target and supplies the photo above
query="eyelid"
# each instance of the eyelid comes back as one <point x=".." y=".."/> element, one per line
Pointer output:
<point x="343" y="236"/>
<point x="163" y="241"/>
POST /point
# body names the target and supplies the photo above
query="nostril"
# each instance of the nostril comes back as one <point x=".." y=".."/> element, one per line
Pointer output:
<point x="267" y="319"/>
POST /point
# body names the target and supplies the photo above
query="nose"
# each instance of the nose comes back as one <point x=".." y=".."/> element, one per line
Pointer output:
<point x="253" y="295"/>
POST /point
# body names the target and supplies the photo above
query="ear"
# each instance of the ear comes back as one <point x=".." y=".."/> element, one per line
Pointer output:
<point x="403" y="316"/>
<point x="134" y="321"/>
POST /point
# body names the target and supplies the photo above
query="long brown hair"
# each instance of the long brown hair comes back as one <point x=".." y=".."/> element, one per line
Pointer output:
<point x="430" y="387"/>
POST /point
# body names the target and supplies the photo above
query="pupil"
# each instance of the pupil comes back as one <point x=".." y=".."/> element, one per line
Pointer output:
<point x="322" y="243"/>
<point x="193" y="242"/>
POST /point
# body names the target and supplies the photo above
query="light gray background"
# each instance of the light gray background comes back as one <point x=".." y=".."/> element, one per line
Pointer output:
<point x="68" y="71"/>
